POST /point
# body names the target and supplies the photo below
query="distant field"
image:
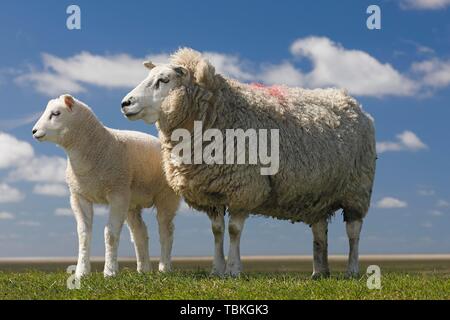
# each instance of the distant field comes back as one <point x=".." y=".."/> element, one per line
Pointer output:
<point x="403" y="277"/>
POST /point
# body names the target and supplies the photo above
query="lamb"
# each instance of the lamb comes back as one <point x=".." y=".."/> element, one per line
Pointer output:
<point x="119" y="168"/>
<point x="326" y="153"/>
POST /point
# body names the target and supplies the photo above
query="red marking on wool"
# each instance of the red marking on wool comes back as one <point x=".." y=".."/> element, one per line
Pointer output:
<point x="274" y="91"/>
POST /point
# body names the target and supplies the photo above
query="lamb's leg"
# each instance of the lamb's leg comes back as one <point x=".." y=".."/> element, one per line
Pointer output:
<point x="83" y="214"/>
<point x="235" y="226"/>
<point x="165" y="216"/>
<point x="320" y="249"/>
<point x="353" y="231"/>
<point x="119" y="208"/>
<point x="218" y="228"/>
<point x="139" y="235"/>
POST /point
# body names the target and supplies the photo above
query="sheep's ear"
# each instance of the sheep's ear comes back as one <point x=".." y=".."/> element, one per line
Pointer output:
<point x="204" y="72"/>
<point x="181" y="71"/>
<point x="148" y="64"/>
<point x="69" y="101"/>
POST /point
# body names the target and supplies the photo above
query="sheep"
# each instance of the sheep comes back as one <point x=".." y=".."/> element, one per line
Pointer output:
<point x="326" y="153"/>
<point x="119" y="168"/>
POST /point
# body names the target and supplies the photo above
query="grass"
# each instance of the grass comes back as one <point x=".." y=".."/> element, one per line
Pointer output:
<point x="199" y="285"/>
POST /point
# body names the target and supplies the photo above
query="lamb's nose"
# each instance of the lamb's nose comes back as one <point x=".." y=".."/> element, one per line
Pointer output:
<point x="34" y="131"/>
<point x="126" y="103"/>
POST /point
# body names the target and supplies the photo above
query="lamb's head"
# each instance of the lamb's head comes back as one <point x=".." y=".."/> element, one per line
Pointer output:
<point x="56" y="119"/>
<point x="144" y="102"/>
<point x="187" y="68"/>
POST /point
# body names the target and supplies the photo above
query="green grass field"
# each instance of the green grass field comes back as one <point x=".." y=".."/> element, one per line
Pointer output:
<point x="415" y="280"/>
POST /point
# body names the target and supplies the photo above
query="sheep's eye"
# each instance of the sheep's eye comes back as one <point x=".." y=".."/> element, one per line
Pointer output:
<point x="54" y="114"/>
<point x="161" y="80"/>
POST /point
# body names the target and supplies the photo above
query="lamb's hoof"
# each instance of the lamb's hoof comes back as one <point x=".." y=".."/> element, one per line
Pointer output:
<point x="351" y="275"/>
<point x="320" y="275"/>
<point x="79" y="275"/>
<point x="108" y="273"/>
<point x="81" y="272"/>
<point x="164" y="267"/>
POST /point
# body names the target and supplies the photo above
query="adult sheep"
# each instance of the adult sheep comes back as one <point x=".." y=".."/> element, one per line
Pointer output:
<point x="326" y="152"/>
<point x="105" y="166"/>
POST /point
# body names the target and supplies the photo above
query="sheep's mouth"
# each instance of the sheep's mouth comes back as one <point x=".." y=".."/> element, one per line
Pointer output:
<point x="39" y="137"/>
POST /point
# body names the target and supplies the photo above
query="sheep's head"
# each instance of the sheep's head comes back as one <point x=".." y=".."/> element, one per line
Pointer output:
<point x="145" y="101"/>
<point x="187" y="68"/>
<point x="55" y="120"/>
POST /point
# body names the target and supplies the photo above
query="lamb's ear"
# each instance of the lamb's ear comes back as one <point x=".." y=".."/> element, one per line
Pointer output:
<point x="181" y="71"/>
<point x="69" y="101"/>
<point x="204" y="73"/>
<point x="148" y="64"/>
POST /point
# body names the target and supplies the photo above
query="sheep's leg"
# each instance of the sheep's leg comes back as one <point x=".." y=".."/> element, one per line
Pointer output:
<point x="139" y="236"/>
<point x="320" y="249"/>
<point x="235" y="226"/>
<point x="165" y="217"/>
<point x="218" y="228"/>
<point x="118" y="213"/>
<point x="353" y="232"/>
<point x="83" y="214"/>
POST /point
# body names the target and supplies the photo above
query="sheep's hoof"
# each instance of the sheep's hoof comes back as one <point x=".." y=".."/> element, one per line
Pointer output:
<point x="217" y="273"/>
<point x="351" y="275"/>
<point x="233" y="272"/>
<point x="320" y="275"/>
<point x="218" y="270"/>
<point x="164" y="267"/>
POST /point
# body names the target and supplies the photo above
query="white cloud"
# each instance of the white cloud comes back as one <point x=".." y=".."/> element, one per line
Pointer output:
<point x="29" y="223"/>
<point x="426" y="224"/>
<point x="13" y="151"/>
<point x="334" y="65"/>
<point x="436" y="213"/>
<point x="101" y="210"/>
<point x="406" y="141"/>
<point x="443" y="204"/>
<point x="41" y="169"/>
<point x="424" y="4"/>
<point x="434" y="73"/>
<point x="63" y="212"/>
<point x="19" y="157"/>
<point x="426" y="192"/>
<point x="9" y="194"/>
<point x="6" y="215"/>
<point x="390" y="203"/>
<point x="73" y="73"/>
<point x="67" y="212"/>
<point x="229" y="65"/>
<point x="53" y="190"/>
<point x="8" y="124"/>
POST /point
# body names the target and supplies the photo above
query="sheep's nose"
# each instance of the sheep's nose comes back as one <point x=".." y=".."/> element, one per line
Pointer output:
<point x="34" y="131"/>
<point x="126" y="103"/>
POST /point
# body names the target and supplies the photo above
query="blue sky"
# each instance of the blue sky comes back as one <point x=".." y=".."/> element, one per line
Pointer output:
<point x="400" y="74"/>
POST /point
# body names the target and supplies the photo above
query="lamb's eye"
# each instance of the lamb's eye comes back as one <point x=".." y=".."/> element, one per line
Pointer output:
<point x="54" y="114"/>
